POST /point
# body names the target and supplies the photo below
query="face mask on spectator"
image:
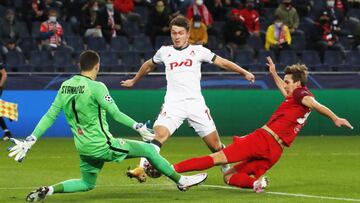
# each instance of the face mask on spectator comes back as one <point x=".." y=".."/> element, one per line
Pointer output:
<point x="52" y="19"/>
<point x="287" y="5"/>
<point x="278" y="24"/>
<point x="199" y="2"/>
<point x="197" y="25"/>
<point x="109" y="6"/>
<point x="95" y="8"/>
<point x="330" y="3"/>
<point x="10" y="18"/>
<point x="160" y="9"/>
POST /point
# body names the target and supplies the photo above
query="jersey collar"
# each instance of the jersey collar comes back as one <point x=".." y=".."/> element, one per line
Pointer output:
<point x="179" y="49"/>
<point x="85" y="76"/>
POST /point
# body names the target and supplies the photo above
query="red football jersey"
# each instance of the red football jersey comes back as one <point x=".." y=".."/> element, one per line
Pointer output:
<point x="290" y="116"/>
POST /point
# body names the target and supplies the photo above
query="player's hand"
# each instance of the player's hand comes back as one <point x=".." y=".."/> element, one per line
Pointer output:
<point x="146" y="133"/>
<point x="250" y="77"/>
<point x="343" y="122"/>
<point x="21" y="147"/>
<point x="271" y="65"/>
<point x="127" y="83"/>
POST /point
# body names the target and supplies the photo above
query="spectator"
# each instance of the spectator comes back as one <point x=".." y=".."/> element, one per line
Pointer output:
<point x="288" y="14"/>
<point x="3" y="76"/>
<point x="236" y="34"/>
<point x="336" y="10"/>
<point x="220" y="7"/>
<point x="199" y="8"/>
<point x="198" y="31"/>
<point x="303" y="7"/>
<point x="250" y="17"/>
<point x="325" y="35"/>
<point x="72" y="12"/>
<point x="357" y="37"/>
<point x="158" y="21"/>
<point x="126" y="8"/>
<point x="278" y="36"/>
<point x="90" y="23"/>
<point x="33" y="10"/>
<point x="51" y="33"/>
<point x="11" y="33"/>
<point x="110" y="22"/>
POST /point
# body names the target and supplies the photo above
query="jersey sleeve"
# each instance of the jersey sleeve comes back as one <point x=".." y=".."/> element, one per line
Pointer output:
<point x="157" y="58"/>
<point x="207" y="55"/>
<point x="106" y="102"/>
<point x="48" y="119"/>
<point x="300" y="93"/>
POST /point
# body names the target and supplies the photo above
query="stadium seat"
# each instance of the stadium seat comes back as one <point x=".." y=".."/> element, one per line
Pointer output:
<point x="298" y="42"/>
<point x="207" y="67"/>
<point x="354" y="13"/>
<point x="161" y="40"/>
<point x="255" y="42"/>
<point x="28" y="44"/>
<point x="131" y="28"/>
<point x="96" y="43"/>
<point x="312" y="60"/>
<point x="35" y="29"/>
<point x="244" y="58"/>
<point x="142" y="44"/>
<point x="333" y="59"/>
<point x="15" y="61"/>
<point x="288" y="57"/>
<point x="223" y="53"/>
<point x="261" y="61"/>
<point x="149" y="55"/>
<point x="119" y="43"/>
<point x="344" y="40"/>
<point x="213" y="43"/>
<point x="75" y="42"/>
<point x="63" y="62"/>
<point x="352" y="62"/>
<point x="130" y="61"/>
<point x="40" y="61"/>
<point x="68" y="31"/>
<point x="143" y="11"/>
<point x="109" y="61"/>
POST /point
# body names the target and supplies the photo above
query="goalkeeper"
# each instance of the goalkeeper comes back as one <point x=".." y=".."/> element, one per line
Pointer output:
<point x="85" y="103"/>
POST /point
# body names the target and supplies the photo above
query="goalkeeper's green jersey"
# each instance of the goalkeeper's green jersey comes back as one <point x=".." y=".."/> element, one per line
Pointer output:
<point x="85" y="103"/>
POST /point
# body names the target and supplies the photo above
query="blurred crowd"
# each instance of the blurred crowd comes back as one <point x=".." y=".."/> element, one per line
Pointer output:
<point x="47" y="35"/>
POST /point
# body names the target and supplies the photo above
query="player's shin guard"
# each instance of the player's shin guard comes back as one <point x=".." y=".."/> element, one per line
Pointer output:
<point x="194" y="164"/>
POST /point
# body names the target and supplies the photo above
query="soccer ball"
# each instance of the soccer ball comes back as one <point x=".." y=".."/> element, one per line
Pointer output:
<point x="151" y="171"/>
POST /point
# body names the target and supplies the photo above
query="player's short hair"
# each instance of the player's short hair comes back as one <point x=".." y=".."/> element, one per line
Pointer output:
<point x="88" y="59"/>
<point x="180" y="21"/>
<point x="299" y="72"/>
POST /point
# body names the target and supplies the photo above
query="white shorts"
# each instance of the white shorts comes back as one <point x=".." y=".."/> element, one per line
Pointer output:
<point x="172" y="115"/>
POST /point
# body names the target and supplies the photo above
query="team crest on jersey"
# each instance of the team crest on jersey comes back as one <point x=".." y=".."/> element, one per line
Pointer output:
<point x="108" y="98"/>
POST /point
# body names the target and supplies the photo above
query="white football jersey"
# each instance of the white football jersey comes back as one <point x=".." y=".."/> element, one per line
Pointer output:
<point x="183" y="70"/>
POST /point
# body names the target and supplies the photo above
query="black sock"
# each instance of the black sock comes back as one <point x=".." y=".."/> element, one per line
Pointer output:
<point x="3" y="124"/>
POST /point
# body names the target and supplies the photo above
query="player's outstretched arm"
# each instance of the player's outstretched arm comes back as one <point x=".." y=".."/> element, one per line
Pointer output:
<point x="21" y="147"/>
<point x="228" y="65"/>
<point x="144" y="70"/>
<point x="279" y="82"/>
<point x="310" y="102"/>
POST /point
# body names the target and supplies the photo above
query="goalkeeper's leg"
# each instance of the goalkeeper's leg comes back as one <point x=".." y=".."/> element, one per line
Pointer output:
<point x="141" y="149"/>
<point x="86" y="183"/>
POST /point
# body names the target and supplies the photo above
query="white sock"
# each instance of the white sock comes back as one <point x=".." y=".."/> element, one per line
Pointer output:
<point x="6" y="130"/>
<point x="51" y="191"/>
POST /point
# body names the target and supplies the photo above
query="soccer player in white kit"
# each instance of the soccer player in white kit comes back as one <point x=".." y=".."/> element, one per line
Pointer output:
<point x="183" y="99"/>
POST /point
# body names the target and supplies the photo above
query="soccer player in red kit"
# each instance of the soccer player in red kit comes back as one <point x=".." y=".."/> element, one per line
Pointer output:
<point x="258" y="151"/>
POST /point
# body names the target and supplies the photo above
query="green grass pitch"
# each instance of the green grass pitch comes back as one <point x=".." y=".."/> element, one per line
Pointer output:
<point x="314" y="169"/>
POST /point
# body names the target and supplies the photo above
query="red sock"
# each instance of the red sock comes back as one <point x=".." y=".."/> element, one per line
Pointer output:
<point x="194" y="164"/>
<point x="242" y="180"/>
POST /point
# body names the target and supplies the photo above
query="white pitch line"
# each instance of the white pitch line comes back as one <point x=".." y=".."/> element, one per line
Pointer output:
<point x="287" y="194"/>
<point x="216" y="186"/>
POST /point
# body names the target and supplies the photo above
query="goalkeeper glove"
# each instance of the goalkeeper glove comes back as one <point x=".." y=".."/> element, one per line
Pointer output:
<point x="21" y="147"/>
<point x="146" y="133"/>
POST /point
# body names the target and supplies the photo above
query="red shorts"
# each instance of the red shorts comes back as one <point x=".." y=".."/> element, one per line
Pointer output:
<point x="257" y="152"/>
